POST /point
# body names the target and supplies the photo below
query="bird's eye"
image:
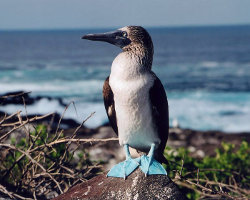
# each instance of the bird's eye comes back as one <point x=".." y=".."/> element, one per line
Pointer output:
<point x="124" y="34"/>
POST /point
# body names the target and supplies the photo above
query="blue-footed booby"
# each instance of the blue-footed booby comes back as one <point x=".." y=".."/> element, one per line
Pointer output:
<point x="135" y="101"/>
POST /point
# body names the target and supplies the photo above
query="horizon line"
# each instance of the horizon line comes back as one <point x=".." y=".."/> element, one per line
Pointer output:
<point x="114" y="27"/>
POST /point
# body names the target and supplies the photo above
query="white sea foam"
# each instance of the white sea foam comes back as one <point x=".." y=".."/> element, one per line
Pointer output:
<point x="209" y="64"/>
<point x="203" y="111"/>
<point x="65" y="87"/>
<point x="6" y="87"/>
<point x="214" y="64"/>
<point x="45" y="106"/>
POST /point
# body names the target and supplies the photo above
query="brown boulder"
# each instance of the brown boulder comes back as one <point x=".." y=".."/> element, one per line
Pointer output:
<point x="136" y="186"/>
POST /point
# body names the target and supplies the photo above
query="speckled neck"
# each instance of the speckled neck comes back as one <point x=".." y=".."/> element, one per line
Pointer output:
<point x="143" y="55"/>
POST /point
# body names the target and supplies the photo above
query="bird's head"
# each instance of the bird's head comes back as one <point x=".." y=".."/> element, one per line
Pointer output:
<point x="127" y="38"/>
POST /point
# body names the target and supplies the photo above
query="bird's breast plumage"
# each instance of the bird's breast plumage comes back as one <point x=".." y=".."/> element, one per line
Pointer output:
<point x="133" y="108"/>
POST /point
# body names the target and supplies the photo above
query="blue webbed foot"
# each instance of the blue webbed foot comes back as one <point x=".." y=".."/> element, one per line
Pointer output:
<point x="123" y="169"/>
<point x="149" y="165"/>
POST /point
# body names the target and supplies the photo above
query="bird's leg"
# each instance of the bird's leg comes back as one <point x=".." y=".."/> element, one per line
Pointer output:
<point x="149" y="165"/>
<point x="125" y="168"/>
<point x="150" y="155"/>
<point x="126" y="149"/>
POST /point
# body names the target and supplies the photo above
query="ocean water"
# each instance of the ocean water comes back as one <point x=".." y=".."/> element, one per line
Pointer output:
<point x="205" y="71"/>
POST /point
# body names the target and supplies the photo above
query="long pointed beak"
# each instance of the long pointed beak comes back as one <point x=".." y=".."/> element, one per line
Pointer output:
<point x="105" y="37"/>
<point x="115" y="38"/>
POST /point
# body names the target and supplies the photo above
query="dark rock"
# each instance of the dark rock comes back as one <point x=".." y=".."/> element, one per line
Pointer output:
<point x="136" y="186"/>
<point x="205" y="141"/>
<point x="16" y="99"/>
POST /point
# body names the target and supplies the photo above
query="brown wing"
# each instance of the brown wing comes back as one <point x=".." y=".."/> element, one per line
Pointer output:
<point x="109" y="104"/>
<point x="160" y="114"/>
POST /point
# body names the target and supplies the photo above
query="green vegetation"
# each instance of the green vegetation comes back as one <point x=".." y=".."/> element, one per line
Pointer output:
<point x="225" y="175"/>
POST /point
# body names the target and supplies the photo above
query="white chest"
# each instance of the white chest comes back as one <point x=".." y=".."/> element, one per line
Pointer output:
<point x="133" y="108"/>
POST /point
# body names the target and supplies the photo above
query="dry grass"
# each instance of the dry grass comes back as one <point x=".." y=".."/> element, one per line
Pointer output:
<point x="40" y="165"/>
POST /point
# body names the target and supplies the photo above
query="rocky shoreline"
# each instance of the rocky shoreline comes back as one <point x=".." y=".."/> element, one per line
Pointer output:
<point x="199" y="143"/>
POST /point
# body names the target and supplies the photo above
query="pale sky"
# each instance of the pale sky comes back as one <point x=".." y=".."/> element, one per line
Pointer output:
<point x="56" y="14"/>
